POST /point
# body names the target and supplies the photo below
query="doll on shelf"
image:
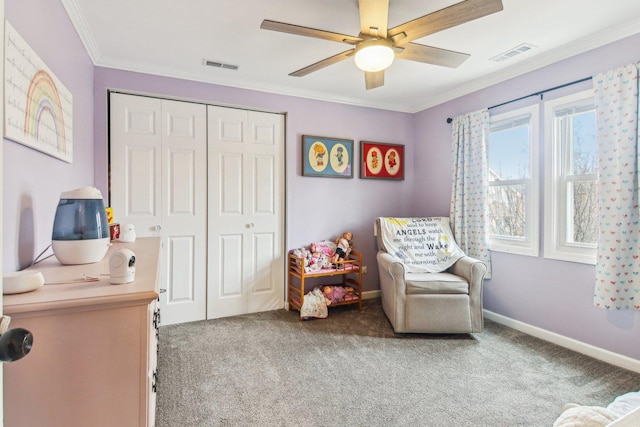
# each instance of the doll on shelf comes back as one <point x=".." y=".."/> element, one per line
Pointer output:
<point x="343" y="247"/>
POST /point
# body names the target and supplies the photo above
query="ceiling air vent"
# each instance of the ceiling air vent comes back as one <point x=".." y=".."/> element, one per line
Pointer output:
<point x="524" y="47"/>
<point x="219" y="65"/>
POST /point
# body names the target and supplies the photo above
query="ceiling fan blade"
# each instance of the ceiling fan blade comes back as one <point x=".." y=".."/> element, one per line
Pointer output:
<point x="442" y="19"/>
<point x="324" y="63"/>
<point x="308" y="32"/>
<point x="374" y="79"/>
<point x="432" y="55"/>
<point x="374" y="15"/>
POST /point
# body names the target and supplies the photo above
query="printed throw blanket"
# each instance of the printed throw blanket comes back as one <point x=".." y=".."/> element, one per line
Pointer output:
<point x="422" y="244"/>
<point x="314" y="305"/>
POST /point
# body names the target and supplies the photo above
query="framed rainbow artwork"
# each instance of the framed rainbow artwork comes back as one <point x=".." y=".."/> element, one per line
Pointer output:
<point x="38" y="108"/>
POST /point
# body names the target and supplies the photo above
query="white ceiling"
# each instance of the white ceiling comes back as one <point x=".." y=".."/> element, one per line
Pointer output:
<point x="172" y="38"/>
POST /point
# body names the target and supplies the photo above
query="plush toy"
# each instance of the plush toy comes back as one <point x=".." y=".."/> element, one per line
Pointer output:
<point x="314" y="263"/>
<point x="323" y="247"/>
<point x="585" y="416"/>
<point x="333" y="294"/>
<point x="306" y="260"/>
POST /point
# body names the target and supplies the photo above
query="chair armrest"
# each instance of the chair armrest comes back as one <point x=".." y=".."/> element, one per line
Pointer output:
<point x="472" y="270"/>
<point x="391" y="269"/>
<point x="392" y="288"/>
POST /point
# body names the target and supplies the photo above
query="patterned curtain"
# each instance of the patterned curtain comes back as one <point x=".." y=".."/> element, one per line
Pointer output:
<point x="618" y="253"/>
<point x="469" y="187"/>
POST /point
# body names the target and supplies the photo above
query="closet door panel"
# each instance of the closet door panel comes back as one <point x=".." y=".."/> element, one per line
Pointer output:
<point x="264" y="247"/>
<point x="181" y="183"/>
<point x="230" y="273"/>
<point x="246" y="154"/>
<point x="184" y="221"/>
<point x="135" y="178"/>
<point x="141" y="173"/>
<point x="159" y="185"/>
<point x="230" y="180"/>
<point x="179" y="274"/>
<point x="267" y="193"/>
<point x="264" y="195"/>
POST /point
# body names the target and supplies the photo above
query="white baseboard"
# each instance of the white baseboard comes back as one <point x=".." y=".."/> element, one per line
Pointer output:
<point x="566" y="342"/>
<point x="370" y="294"/>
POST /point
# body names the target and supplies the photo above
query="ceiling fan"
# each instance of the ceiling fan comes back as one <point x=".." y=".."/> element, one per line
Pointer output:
<point x="376" y="45"/>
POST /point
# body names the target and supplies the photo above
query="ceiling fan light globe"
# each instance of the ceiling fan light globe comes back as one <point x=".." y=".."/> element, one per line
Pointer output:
<point x="374" y="55"/>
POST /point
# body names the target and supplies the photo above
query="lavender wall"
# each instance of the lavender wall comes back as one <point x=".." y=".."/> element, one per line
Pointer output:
<point x="317" y="208"/>
<point x="550" y="294"/>
<point x="33" y="180"/>
<point x="553" y="295"/>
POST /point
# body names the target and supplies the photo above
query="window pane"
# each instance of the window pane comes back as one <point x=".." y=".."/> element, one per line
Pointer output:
<point x="509" y="154"/>
<point x="584" y="212"/>
<point x="584" y="160"/>
<point x="507" y="210"/>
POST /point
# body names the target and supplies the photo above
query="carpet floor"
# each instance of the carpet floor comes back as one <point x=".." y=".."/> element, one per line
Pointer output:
<point x="351" y="369"/>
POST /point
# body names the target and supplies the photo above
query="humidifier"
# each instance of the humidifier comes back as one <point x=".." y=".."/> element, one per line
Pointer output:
<point x="80" y="229"/>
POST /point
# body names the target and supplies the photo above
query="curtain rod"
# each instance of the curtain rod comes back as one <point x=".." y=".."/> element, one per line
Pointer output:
<point x="449" y="120"/>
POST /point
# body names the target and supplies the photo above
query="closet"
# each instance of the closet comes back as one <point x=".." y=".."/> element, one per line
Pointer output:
<point x="209" y="181"/>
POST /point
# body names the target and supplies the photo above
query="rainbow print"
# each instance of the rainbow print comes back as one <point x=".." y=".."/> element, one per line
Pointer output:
<point x="43" y="98"/>
<point x="38" y="107"/>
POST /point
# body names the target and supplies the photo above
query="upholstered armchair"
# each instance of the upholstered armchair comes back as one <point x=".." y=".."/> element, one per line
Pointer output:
<point x="448" y="301"/>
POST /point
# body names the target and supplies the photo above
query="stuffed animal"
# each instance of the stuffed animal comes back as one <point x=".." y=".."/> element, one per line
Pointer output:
<point x="585" y="416"/>
<point x="324" y="247"/>
<point x="305" y="259"/>
<point x="333" y="294"/>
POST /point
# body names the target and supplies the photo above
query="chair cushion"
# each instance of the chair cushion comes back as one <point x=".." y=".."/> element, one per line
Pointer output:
<point x="435" y="283"/>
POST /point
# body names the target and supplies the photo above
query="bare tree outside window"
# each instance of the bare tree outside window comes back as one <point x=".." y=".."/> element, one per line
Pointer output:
<point x="509" y="170"/>
<point x="507" y="210"/>
<point x="581" y="186"/>
<point x="571" y="178"/>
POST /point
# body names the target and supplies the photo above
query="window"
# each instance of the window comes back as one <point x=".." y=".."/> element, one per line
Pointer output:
<point x="513" y="182"/>
<point x="571" y="178"/>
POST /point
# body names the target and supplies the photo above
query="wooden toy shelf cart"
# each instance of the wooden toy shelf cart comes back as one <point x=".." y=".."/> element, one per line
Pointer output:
<point x="350" y="270"/>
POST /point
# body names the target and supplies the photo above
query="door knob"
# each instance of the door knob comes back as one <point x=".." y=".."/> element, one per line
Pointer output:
<point x="157" y="228"/>
<point x="14" y="343"/>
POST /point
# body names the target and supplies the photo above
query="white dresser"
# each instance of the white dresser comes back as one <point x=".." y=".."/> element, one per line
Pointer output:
<point x="94" y="356"/>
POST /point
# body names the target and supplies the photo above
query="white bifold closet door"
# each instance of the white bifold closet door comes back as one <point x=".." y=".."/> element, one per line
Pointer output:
<point x="246" y="212"/>
<point x="158" y="182"/>
<point x="209" y="181"/>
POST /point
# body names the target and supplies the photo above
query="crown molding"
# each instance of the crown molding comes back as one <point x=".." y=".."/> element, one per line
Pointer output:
<point x="567" y="51"/>
<point x="80" y="24"/>
<point x="583" y="45"/>
<point x="247" y="85"/>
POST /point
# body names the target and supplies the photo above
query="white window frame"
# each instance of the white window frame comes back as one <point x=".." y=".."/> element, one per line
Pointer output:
<point x="529" y="245"/>
<point x="556" y="200"/>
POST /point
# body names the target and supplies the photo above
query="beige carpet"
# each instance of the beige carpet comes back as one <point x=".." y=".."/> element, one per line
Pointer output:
<point x="271" y="369"/>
